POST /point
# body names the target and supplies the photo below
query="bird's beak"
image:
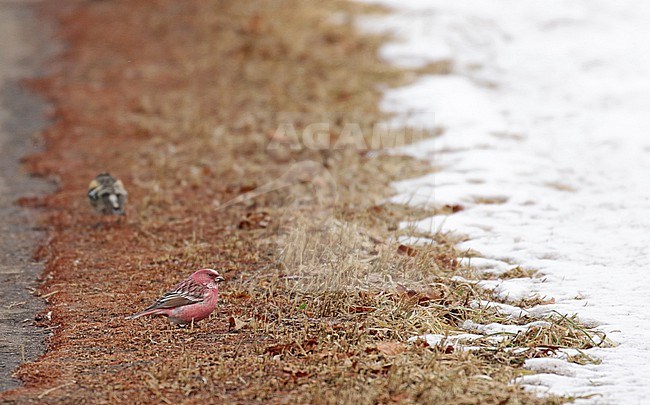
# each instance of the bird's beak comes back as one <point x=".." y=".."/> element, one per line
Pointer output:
<point x="219" y="279"/>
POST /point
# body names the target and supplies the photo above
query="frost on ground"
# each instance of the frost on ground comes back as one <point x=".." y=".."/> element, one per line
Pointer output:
<point x="545" y="146"/>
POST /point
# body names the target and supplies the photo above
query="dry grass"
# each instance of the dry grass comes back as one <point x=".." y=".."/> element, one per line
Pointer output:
<point x="181" y="100"/>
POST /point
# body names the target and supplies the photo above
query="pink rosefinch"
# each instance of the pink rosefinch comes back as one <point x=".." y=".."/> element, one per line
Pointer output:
<point x="190" y="301"/>
<point x="107" y="194"/>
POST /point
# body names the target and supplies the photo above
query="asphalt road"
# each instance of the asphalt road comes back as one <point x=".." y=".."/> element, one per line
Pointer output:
<point x="23" y="48"/>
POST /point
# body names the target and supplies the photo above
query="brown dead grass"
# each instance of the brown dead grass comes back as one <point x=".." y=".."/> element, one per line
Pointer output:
<point x="179" y="100"/>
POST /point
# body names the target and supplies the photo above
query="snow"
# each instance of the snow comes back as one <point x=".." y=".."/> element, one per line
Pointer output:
<point x="502" y="309"/>
<point x="498" y="328"/>
<point x="434" y="339"/>
<point x="546" y="145"/>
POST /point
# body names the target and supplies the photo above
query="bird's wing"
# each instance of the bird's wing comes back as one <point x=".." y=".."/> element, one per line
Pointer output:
<point x="118" y="187"/>
<point x="175" y="299"/>
<point x="186" y="293"/>
<point x="93" y="189"/>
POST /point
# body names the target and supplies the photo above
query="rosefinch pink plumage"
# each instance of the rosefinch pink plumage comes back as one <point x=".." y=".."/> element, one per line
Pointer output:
<point x="190" y="301"/>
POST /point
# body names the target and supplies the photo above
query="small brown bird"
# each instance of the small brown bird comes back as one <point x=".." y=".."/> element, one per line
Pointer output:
<point x="107" y="195"/>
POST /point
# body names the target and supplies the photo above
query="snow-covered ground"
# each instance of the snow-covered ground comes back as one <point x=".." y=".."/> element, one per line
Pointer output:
<point x="547" y="148"/>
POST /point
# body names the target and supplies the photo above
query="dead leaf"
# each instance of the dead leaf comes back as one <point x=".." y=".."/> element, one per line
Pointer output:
<point x="278" y="349"/>
<point x="236" y="324"/>
<point x="377" y="209"/>
<point x="245" y="188"/>
<point x="309" y="345"/>
<point x="400" y="289"/>
<point x="255" y="220"/>
<point x="454" y="208"/>
<point x="390" y="348"/>
<point x="437" y="292"/>
<point x="295" y="372"/>
<point x="407" y="250"/>
<point x="360" y="309"/>
<point x="405" y="292"/>
<point x="421" y="343"/>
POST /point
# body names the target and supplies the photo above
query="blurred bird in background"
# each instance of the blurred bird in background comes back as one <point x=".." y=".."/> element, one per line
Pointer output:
<point x="193" y="299"/>
<point x="107" y="195"/>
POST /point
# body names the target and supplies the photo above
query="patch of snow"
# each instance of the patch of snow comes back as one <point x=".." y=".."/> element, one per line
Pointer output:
<point x="514" y="289"/>
<point x="546" y="146"/>
<point x="495" y="328"/>
<point x="435" y="339"/>
<point x="486" y="265"/>
<point x="552" y="366"/>
<point x="503" y="309"/>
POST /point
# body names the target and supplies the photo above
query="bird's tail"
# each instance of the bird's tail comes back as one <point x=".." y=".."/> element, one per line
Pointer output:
<point x="143" y="313"/>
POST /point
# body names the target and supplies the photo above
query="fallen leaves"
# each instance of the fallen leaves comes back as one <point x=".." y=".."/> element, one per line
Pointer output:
<point x="390" y="348"/>
<point x="236" y="324"/>
<point x="279" y="348"/>
<point x="255" y="220"/>
<point x="307" y="346"/>
<point x="296" y="372"/>
<point x="454" y="208"/>
<point x="433" y="293"/>
<point x="361" y="309"/>
<point x="407" y="250"/>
